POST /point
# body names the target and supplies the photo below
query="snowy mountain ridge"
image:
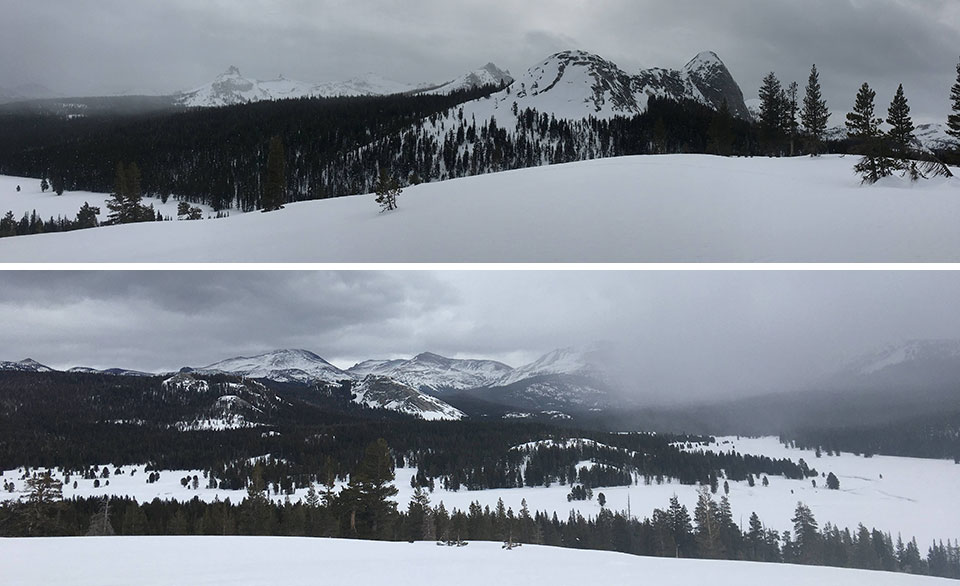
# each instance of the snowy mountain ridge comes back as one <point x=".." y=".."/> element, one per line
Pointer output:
<point x="433" y="373"/>
<point x="25" y="365"/>
<point x="577" y="84"/>
<point x="908" y="352"/>
<point x="296" y="366"/>
<point x="231" y="87"/>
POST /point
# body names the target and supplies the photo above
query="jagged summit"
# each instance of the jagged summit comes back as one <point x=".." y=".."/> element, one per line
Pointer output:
<point x="433" y="373"/>
<point x="576" y="84"/>
<point x="231" y="71"/>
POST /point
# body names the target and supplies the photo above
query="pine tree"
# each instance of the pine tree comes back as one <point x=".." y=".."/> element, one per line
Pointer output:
<point x="898" y="117"/>
<point x="772" y="108"/>
<point x="815" y="114"/>
<point x="274" y="187"/>
<point x="367" y="497"/>
<point x="861" y="123"/>
<point x="44" y="186"/>
<point x="387" y="190"/>
<point x="864" y="129"/>
<point x="87" y="216"/>
<point x="806" y="534"/>
<point x="953" y="121"/>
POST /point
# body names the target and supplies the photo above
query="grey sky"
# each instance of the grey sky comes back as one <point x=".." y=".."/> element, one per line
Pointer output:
<point x="123" y="46"/>
<point x="687" y="335"/>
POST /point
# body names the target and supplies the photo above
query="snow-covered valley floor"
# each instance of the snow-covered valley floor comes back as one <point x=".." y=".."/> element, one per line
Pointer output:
<point x="671" y="208"/>
<point x="915" y="497"/>
<point x="48" y="204"/>
<point x="247" y="561"/>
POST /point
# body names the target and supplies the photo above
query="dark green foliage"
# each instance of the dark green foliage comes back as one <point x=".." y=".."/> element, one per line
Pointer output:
<point x="87" y="216"/>
<point x="861" y="123"/>
<point x="125" y="203"/>
<point x="387" y="190"/>
<point x="865" y="131"/>
<point x="953" y="120"/>
<point x="815" y="113"/>
<point x="44" y="186"/>
<point x="901" y="125"/>
<point x="833" y="483"/>
<point x="720" y="133"/>
<point x="275" y="182"/>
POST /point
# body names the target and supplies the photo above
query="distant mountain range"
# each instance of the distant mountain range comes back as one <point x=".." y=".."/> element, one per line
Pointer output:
<point x="576" y="382"/>
<point x="230" y="87"/>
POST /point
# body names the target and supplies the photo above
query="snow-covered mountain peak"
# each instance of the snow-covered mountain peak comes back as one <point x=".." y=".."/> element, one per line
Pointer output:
<point x="300" y="366"/>
<point x="231" y="71"/>
<point x="704" y="61"/>
<point x="584" y="361"/>
<point x="432" y="373"/>
<point x="25" y="365"/>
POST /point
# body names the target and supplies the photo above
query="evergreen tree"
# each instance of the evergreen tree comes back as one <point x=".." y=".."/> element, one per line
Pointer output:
<point x="387" y="190"/>
<point x="901" y="125"/>
<point x="367" y="497"/>
<point x="44" y="186"/>
<point x="953" y="121"/>
<point x="772" y="109"/>
<point x="125" y="203"/>
<point x="275" y="185"/>
<point x="709" y="544"/>
<point x="815" y="114"/>
<point x="864" y="129"/>
<point x="87" y="216"/>
<point x="806" y="535"/>
<point x="833" y="483"/>
<point x="861" y="123"/>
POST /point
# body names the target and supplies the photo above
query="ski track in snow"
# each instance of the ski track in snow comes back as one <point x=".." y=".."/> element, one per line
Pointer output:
<point x="670" y="208"/>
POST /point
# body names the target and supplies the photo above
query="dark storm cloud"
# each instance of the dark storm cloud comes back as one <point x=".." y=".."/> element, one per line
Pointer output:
<point x="105" y="46"/>
<point x="677" y="335"/>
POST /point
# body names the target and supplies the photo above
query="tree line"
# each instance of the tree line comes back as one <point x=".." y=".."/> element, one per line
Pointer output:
<point x="364" y="509"/>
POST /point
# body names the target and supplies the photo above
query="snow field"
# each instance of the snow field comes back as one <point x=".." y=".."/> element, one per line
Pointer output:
<point x="48" y="204"/>
<point x="248" y="561"/>
<point x="914" y="497"/>
<point x="670" y="208"/>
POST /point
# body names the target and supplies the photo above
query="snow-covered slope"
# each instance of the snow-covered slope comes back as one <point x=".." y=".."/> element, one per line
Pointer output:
<point x="489" y="74"/>
<point x="25" y="365"/>
<point x="670" y="208"/>
<point x="577" y="84"/>
<point x="911" y="351"/>
<point x="240" y="561"/>
<point x="381" y="392"/>
<point x="583" y="362"/>
<point x="299" y="366"/>
<point x="432" y="373"/>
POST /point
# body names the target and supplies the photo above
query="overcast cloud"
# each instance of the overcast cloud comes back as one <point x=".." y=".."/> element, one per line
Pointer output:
<point x="142" y="46"/>
<point x="687" y="335"/>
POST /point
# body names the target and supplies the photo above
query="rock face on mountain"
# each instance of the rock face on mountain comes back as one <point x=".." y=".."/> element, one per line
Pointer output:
<point x="381" y="392"/>
<point x="577" y="84"/>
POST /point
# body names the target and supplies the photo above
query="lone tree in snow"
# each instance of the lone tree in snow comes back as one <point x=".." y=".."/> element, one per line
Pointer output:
<point x="387" y="190"/>
<point x="275" y="185"/>
<point x="864" y="129"/>
<point x="44" y="186"/>
<point x="815" y="113"/>
<point x="833" y="483"/>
